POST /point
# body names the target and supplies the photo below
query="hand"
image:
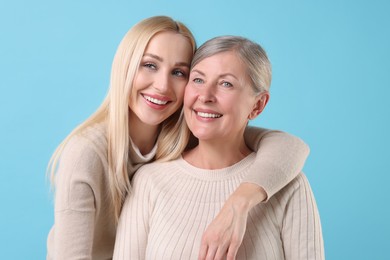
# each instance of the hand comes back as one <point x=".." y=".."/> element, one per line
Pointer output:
<point x="225" y="233"/>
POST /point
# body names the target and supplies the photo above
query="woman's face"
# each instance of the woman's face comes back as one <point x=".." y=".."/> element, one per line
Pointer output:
<point x="158" y="87"/>
<point x="218" y="99"/>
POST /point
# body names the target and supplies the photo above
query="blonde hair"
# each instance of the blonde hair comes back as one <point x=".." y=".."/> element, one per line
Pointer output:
<point x="251" y="53"/>
<point x="115" y="108"/>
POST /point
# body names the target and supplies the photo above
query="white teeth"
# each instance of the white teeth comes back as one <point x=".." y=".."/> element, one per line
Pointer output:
<point x="156" y="101"/>
<point x="208" y="115"/>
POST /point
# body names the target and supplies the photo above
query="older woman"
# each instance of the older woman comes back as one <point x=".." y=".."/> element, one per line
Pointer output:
<point x="174" y="202"/>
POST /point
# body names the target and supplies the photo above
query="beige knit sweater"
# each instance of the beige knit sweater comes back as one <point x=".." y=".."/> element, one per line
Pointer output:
<point x="173" y="202"/>
<point x="84" y="225"/>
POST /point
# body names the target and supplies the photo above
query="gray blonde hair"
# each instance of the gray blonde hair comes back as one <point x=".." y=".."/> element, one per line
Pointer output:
<point x="251" y="54"/>
<point x="115" y="108"/>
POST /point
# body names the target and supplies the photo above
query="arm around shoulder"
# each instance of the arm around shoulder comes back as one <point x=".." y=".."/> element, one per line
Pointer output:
<point x="280" y="158"/>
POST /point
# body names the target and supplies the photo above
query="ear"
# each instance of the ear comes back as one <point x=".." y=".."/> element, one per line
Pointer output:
<point x="261" y="102"/>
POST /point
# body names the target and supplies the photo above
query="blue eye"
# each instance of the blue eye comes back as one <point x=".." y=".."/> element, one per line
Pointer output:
<point x="198" y="80"/>
<point x="150" y="65"/>
<point x="179" y="73"/>
<point x="227" y="84"/>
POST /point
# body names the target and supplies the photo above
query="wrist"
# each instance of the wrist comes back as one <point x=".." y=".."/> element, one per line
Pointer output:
<point x="247" y="195"/>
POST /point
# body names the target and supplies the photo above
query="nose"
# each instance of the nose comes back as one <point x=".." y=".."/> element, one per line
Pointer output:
<point x="206" y="94"/>
<point x="161" y="82"/>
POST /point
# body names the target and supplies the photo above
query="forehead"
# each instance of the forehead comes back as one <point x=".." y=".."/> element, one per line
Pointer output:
<point x="170" y="44"/>
<point x="227" y="62"/>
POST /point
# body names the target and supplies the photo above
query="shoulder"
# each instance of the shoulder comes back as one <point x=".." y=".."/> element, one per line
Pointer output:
<point x="96" y="135"/>
<point x="298" y="183"/>
<point x="84" y="152"/>
<point x="297" y="190"/>
<point x="89" y="141"/>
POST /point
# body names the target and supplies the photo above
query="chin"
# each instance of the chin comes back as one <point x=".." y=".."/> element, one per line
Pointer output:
<point x="153" y="122"/>
<point x="204" y="136"/>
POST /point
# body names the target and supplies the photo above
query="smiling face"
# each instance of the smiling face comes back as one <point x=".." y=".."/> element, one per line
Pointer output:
<point x="219" y="100"/>
<point x="159" y="83"/>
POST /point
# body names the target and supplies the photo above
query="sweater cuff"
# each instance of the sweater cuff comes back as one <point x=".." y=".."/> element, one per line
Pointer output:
<point x="270" y="184"/>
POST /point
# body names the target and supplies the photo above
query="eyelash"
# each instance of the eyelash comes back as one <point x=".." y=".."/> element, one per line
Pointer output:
<point x="198" y="81"/>
<point x="228" y="84"/>
<point x="150" y="65"/>
<point x="178" y="73"/>
<point x="183" y="74"/>
<point x="223" y="83"/>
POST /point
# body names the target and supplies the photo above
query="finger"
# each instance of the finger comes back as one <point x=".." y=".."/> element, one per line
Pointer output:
<point x="232" y="251"/>
<point x="203" y="251"/>
<point x="211" y="251"/>
<point x="221" y="253"/>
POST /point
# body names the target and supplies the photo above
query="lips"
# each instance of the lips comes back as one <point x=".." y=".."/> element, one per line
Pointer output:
<point x="156" y="101"/>
<point x="208" y="114"/>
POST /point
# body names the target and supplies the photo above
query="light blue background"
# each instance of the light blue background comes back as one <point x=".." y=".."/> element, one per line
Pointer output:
<point x="331" y="62"/>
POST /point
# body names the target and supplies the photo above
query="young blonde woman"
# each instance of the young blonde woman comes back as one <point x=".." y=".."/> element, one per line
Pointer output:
<point x="140" y="121"/>
<point x="173" y="202"/>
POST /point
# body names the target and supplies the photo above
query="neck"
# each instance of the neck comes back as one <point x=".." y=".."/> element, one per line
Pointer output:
<point x="144" y="136"/>
<point x="217" y="154"/>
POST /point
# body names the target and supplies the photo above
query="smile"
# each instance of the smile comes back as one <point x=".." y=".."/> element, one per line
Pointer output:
<point x="155" y="101"/>
<point x="208" y="115"/>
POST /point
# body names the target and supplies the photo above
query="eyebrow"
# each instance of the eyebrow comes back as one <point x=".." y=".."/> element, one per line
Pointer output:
<point x="185" y="64"/>
<point x="229" y="74"/>
<point x="220" y="76"/>
<point x="199" y="72"/>
<point x="154" y="56"/>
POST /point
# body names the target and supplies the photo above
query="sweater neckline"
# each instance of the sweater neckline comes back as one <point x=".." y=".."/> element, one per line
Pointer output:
<point x="217" y="174"/>
<point x="147" y="157"/>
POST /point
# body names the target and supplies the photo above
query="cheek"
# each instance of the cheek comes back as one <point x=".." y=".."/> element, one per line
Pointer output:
<point x="139" y="78"/>
<point x="186" y="96"/>
<point x="189" y="95"/>
<point x="135" y="86"/>
<point x="187" y="101"/>
<point x="242" y="108"/>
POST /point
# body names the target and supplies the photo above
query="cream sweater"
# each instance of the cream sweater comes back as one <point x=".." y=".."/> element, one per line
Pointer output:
<point x="84" y="225"/>
<point x="172" y="204"/>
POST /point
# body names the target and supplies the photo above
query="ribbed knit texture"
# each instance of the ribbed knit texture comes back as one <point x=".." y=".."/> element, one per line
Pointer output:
<point x="173" y="203"/>
<point x="84" y="226"/>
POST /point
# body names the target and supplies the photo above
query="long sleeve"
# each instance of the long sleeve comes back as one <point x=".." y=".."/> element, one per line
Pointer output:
<point x="280" y="158"/>
<point x="301" y="229"/>
<point x="133" y="227"/>
<point x="74" y="232"/>
<point x="75" y="202"/>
